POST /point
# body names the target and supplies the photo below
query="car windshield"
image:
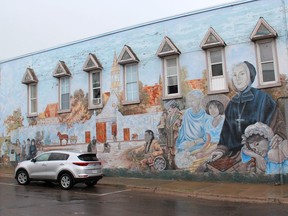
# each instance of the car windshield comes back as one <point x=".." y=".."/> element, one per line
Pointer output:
<point x="88" y="157"/>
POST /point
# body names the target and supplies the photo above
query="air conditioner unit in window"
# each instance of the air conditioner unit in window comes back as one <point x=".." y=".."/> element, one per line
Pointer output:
<point x="96" y="101"/>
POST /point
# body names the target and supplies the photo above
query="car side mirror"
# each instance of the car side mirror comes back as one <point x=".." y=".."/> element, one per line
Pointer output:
<point x="33" y="160"/>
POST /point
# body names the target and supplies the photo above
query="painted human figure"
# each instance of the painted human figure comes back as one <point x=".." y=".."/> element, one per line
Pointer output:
<point x="27" y="150"/>
<point x="4" y="148"/>
<point x="149" y="150"/>
<point x="260" y="153"/>
<point x="161" y="127"/>
<point x="107" y="147"/>
<point x="172" y="122"/>
<point x="214" y="124"/>
<point x="247" y="107"/>
<point x="92" y="146"/>
<point x="32" y="149"/>
<point x="192" y="133"/>
<point x="23" y="150"/>
<point x="18" y="150"/>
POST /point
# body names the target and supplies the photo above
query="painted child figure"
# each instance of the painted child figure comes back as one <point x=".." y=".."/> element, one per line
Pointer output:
<point x="215" y="110"/>
<point x="259" y="153"/>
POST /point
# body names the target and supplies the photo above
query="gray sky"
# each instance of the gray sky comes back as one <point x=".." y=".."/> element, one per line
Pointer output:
<point x="32" y="25"/>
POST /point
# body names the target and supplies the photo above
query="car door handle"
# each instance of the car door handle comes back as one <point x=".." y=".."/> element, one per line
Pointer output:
<point x="61" y="164"/>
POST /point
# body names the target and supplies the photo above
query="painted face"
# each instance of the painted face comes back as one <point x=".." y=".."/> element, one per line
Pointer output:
<point x="241" y="77"/>
<point x="193" y="102"/>
<point x="148" y="137"/>
<point x="260" y="147"/>
<point x="213" y="110"/>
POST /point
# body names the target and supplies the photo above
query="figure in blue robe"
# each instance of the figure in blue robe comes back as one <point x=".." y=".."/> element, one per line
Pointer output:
<point x="192" y="129"/>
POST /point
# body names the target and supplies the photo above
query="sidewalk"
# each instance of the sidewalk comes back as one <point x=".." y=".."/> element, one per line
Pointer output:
<point x="235" y="192"/>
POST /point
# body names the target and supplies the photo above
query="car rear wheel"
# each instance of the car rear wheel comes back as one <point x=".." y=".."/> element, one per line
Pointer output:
<point x="91" y="183"/>
<point x="66" y="181"/>
<point x="22" y="177"/>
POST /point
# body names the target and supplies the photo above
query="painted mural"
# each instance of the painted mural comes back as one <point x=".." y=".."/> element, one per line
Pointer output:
<point x="201" y="133"/>
<point x="241" y="130"/>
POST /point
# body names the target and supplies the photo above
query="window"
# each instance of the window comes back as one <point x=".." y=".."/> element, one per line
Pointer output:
<point x="171" y="73"/>
<point x="266" y="61"/>
<point x="42" y="157"/>
<point x="30" y="79"/>
<point x="129" y="60"/>
<point x="217" y="80"/>
<point x="131" y="83"/>
<point x="88" y="157"/>
<point x="264" y="36"/>
<point x="214" y="45"/>
<point x="63" y="74"/>
<point x="93" y="67"/>
<point x="215" y="62"/>
<point x="64" y="93"/>
<point x="170" y="57"/>
<point x="32" y="105"/>
<point x="58" y="156"/>
<point x="95" y="86"/>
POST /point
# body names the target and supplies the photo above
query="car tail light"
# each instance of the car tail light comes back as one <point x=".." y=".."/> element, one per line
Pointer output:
<point x="86" y="163"/>
<point x="81" y="163"/>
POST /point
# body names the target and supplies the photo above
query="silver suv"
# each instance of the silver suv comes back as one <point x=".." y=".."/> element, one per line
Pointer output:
<point x="65" y="167"/>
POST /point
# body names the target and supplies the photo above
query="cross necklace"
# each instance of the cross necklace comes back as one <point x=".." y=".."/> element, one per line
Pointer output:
<point x="239" y="119"/>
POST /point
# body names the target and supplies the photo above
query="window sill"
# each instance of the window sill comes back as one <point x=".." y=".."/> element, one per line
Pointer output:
<point x="64" y="111"/>
<point x="95" y="107"/>
<point x="276" y="84"/>
<point x="32" y="115"/>
<point x="124" y="103"/>
<point x="210" y="92"/>
<point x="172" y="97"/>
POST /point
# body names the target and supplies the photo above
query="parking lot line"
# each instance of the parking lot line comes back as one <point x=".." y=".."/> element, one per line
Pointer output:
<point x="2" y="183"/>
<point x="104" y="194"/>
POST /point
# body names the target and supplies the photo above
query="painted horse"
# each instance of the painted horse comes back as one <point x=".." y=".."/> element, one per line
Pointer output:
<point x="62" y="137"/>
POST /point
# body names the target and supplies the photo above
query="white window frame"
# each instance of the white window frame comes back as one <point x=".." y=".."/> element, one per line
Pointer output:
<point x="32" y="99"/>
<point x="61" y="109"/>
<point x="91" y="90"/>
<point x="261" y="83"/>
<point x="221" y="78"/>
<point x="137" y="98"/>
<point x="165" y="75"/>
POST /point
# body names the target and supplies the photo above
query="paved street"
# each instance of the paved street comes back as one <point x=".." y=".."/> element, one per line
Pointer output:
<point x="223" y="191"/>
<point x="48" y="200"/>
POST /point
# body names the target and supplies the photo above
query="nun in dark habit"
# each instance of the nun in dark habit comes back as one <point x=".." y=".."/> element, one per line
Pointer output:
<point x="248" y="106"/>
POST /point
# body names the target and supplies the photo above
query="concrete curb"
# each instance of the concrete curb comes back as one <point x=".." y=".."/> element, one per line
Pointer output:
<point x="245" y="193"/>
<point x="209" y="196"/>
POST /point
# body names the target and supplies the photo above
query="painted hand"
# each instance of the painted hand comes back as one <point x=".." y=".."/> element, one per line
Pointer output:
<point x="215" y="156"/>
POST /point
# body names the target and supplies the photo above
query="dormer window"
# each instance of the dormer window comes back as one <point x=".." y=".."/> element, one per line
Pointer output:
<point x="264" y="37"/>
<point x="129" y="61"/>
<point x="31" y="80"/>
<point x="63" y="74"/>
<point x="94" y="69"/>
<point x="169" y="54"/>
<point x="214" y="45"/>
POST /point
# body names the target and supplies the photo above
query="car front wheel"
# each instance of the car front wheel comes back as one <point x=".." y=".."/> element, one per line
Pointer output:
<point x="22" y="177"/>
<point x="66" y="181"/>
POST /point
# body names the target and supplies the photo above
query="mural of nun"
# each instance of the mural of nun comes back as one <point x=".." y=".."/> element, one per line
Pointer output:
<point x="248" y="106"/>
